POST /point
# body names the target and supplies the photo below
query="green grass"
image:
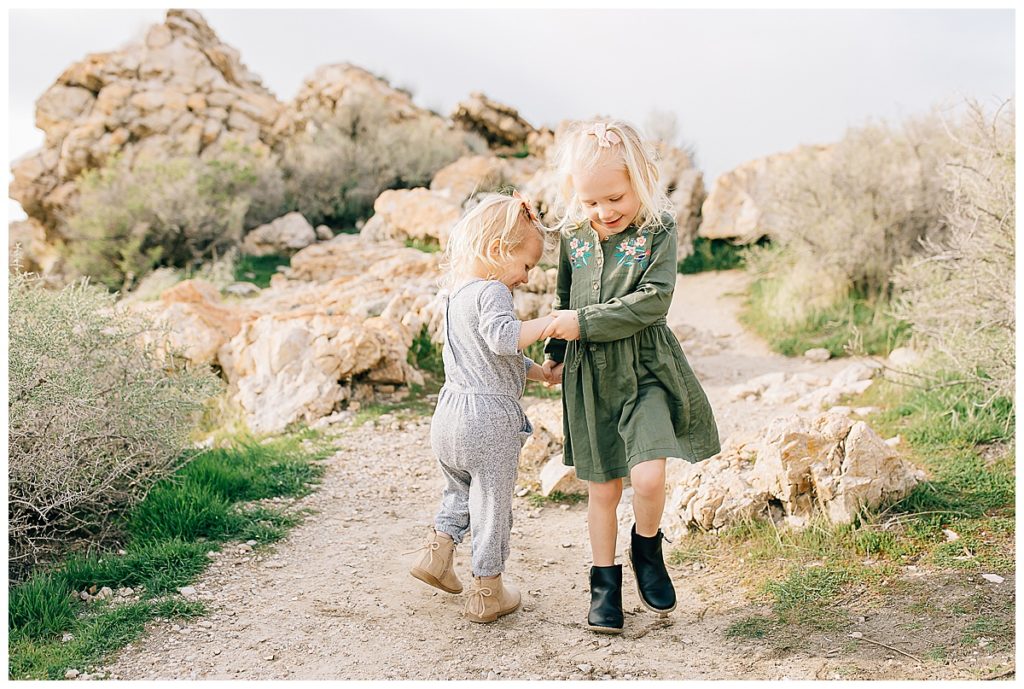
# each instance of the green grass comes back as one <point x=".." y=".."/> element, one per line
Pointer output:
<point x="429" y="245"/>
<point x="425" y="355"/>
<point x="815" y="578"/>
<point x="555" y="498"/>
<point x="96" y="633"/>
<point x="753" y="627"/>
<point x="712" y="254"/>
<point x="167" y="536"/>
<point x="259" y="269"/>
<point x="855" y="324"/>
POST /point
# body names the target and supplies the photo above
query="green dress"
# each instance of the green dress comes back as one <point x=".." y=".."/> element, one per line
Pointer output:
<point x="628" y="393"/>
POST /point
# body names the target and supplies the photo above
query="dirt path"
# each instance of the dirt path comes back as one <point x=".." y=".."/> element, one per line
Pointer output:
<point x="334" y="600"/>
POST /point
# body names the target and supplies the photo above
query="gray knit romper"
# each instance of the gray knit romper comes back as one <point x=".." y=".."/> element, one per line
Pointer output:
<point x="478" y="428"/>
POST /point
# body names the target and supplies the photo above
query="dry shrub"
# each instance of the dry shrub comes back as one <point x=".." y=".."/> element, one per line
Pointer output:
<point x="844" y="218"/>
<point x="177" y="212"/>
<point x="95" y="418"/>
<point x="335" y="172"/>
<point x="959" y="296"/>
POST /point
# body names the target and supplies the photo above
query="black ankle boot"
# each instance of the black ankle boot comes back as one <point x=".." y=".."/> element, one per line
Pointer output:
<point x="652" y="581"/>
<point x="605" y="600"/>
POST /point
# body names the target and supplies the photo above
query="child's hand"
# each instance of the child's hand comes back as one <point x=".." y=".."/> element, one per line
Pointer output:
<point x="566" y="326"/>
<point x="552" y="373"/>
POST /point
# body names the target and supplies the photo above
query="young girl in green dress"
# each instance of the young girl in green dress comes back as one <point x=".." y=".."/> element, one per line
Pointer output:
<point x="629" y="397"/>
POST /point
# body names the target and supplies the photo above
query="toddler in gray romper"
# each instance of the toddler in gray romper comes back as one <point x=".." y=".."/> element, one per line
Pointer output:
<point x="478" y="427"/>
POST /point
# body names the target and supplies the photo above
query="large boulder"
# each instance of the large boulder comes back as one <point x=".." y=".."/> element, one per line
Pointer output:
<point x="179" y="92"/>
<point x="417" y="214"/>
<point x="738" y="208"/>
<point x="285" y="236"/>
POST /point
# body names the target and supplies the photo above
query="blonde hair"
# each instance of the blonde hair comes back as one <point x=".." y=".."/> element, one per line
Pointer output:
<point x="497" y="220"/>
<point x="583" y="146"/>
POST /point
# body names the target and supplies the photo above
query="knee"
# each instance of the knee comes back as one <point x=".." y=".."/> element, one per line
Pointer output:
<point x="607" y="493"/>
<point x="649" y="481"/>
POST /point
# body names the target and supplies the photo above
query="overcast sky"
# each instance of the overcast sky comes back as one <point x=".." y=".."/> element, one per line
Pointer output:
<point x="742" y="83"/>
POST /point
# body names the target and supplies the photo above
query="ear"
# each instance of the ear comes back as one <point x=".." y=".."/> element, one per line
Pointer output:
<point x="494" y="250"/>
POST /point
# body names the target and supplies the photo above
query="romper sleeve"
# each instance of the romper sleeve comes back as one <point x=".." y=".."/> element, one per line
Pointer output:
<point x="498" y="325"/>
<point x="554" y="349"/>
<point x="625" y="316"/>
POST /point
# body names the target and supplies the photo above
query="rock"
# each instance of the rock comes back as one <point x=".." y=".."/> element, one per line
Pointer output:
<point x="241" y="289"/>
<point x="501" y="126"/>
<point x="684" y="186"/>
<point x="737" y="207"/>
<point x="420" y="214"/>
<point x="470" y="175"/>
<point x="29" y="250"/>
<point x="104" y="593"/>
<point x="189" y="593"/>
<point x="994" y="578"/>
<point x="71" y="674"/>
<point x="285" y="235"/>
<point x="324" y="233"/>
<point x="828" y="463"/>
<point x="904" y="358"/>
<point x="819" y="354"/>
<point x="556" y="476"/>
<point x="192" y="321"/>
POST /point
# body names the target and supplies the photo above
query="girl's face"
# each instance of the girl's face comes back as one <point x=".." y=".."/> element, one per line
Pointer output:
<point x="607" y="197"/>
<point x="523" y="259"/>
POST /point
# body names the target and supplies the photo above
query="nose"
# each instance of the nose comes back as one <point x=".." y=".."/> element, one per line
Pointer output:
<point x="605" y="213"/>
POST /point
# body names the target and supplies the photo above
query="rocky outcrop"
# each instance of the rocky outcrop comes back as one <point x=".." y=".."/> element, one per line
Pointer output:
<point x="336" y="324"/>
<point x="332" y="89"/>
<point x="505" y="131"/>
<point x="795" y="469"/>
<point x="737" y="208"/>
<point x="180" y="92"/>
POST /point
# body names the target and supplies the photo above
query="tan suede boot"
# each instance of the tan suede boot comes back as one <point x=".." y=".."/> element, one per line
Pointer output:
<point x="437" y="566"/>
<point x="489" y="599"/>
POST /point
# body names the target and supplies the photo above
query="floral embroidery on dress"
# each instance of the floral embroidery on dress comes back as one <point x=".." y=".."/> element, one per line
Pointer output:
<point x="579" y="252"/>
<point x="634" y="251"/>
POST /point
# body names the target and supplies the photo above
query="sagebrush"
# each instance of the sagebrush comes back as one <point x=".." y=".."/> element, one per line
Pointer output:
<point x="180" y="212"/>
<point x="959" y="295"/>
<point x="95" y="417"/>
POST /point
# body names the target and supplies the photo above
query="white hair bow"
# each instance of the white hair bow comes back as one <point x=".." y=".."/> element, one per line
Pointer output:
<point x="605" y="138"/>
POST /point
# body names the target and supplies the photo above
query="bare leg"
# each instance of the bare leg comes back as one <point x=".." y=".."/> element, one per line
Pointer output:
<point x="601" y="522"/>
<point x="648" y="479"/>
